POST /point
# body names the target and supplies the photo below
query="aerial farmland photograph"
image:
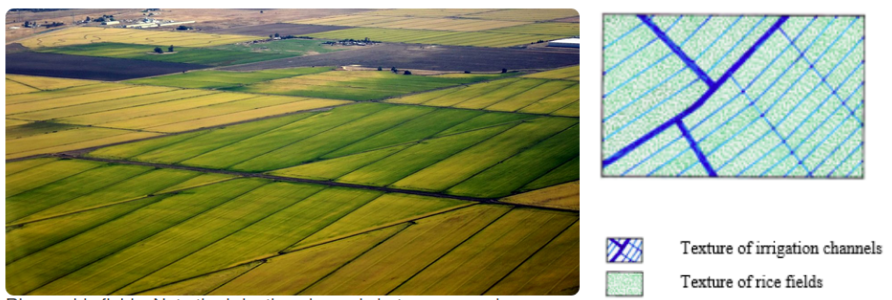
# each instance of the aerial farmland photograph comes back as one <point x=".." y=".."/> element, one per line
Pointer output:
<point x="163" y="152"/>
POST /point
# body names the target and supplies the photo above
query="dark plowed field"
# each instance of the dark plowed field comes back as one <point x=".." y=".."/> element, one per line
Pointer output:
<point x="426" y="57"/>
<point x="89" y="67"/>
<point x="280" y="28"/>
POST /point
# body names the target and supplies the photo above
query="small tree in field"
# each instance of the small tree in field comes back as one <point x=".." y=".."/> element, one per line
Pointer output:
<point x="407" y="72"/>
<point x="504" y="70"/>
<point x="170" y="49"/>
<point x="379" y="68"/>
<point x="158" y="50"/>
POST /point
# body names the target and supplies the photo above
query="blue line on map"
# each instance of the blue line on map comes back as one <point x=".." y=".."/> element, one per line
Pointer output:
<point x="622" y="36"/>
<point x="680" y="53"/>
<point x="861" y="144"/>
<point x="736" y="44"/>
<point x="854" y="168"/>
<point x="696" y="148"/>
<point x="713" y="88"/>
<point x="621" y="248"/>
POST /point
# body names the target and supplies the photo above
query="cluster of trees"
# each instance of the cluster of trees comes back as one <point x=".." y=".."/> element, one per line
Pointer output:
<point x="159" y="51"/>
<point x="184" y="27"/>
<point x="288" y="36"/>
<point x="103" y="18"/>
<point x="46" y="24"/>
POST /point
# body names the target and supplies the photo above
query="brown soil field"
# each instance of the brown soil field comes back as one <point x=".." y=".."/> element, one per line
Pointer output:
<point x="427" y="57"/>
<point x="280" y="28"/>
<point x="89" y="67"/>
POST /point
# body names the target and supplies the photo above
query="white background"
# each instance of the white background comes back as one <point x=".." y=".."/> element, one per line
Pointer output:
<point x="721" y="211"/>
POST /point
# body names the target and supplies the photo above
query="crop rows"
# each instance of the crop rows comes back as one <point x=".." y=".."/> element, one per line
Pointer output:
<point x="553" y="92"/>
<point x="380" y="145"/>
<point x="164" y="229"/>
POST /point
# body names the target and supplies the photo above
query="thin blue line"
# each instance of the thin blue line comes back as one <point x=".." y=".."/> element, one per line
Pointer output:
<point x="650" y="109"/>
<point x="736" y="44"/>
<point x="842" y="103"/>
<point x="678" y="52"/>
<point x="758" y="160"/>
<point x="623" y="35"/>
<point x="845" y="159"/>
<point x="757" y="98"/>
<point x="836" y="149"/>
<point x="642" y="71"/>
<point x="718" y="38"/>
<point x="761" y="116"/>
<point x="630" y="56"/>
<point x="815" y="69"/>
<point x="700" y="156"/>
<point x="652" y="154"/>
<point x="854" y="168"/>
<point x="661" y="83"/>
<point x="622" y="152"/>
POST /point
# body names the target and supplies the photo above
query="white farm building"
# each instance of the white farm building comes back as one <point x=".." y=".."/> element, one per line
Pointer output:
<point x="566" y="43"/>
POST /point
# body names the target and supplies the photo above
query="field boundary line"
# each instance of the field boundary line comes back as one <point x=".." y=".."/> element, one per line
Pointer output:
<point x="220" y="239"/>
<point x="78" y="152"/>
<point x="100" y="101"/>
<point x="546" y="97"/>
<point x="483" y="110"/>
<point x="355" y="257"/>
<point x="461" y="150"/>
<point x="307" y="137"/>
<point x="113" y="88"/>
<point x="518" y="153"/>
<point x="205" y="274"/>
<point x="314" y="135"/>
<point x="450" y="250"/>
<point x="509" y="157"/>
<point x="509" y="96"/>
<point x="563" y="107"/>
<point x="25" y="84"/>
<point x="143" y="239"/>
<point x="378" y="133"/>
<point x="166" y="194"/>
<point x="517" y="75"/>
<point x="531" y="256"/>
<point x="75" y="142"/>
<point x="140" y="105"/>
<point x="148" y="170"/>
<point x="466" y="86"/>
<point x="210" y="130"/>
<point x="51" y="182"/>
<point x="243" y="111"/>
<point x="180" y="110"/>
<point x="32" y="167"/>
<point x="295" y="247"/>
<point x="537" y="100"/>
<point x="91" y="227"/>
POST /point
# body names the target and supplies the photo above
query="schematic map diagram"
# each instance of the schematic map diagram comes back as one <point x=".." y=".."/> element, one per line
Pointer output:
<point x="733" y="96"/>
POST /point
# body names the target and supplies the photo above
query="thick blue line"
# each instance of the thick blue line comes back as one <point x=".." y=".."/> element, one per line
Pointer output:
<point x="621" y="248"/>
<point x="625" y="150"/>
<point x="736" y="44"/>
<point x="678" y="52"/>
<point x="645" y="69"/>
<point x="650" y="109"/>
<point x="696" y="148"/>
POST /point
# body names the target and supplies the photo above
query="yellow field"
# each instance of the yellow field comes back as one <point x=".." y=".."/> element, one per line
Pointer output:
<point x="47" y="83"/>
<point x="299" y="105"/>
<point x="82" y="99"/>
<point x="72" y="91"/>
<point x="553" y="270"/>
<point x="13" y="88"/>
<point x="154" y="109"/>
<point x="448" y="24"/>
<point x="10" y="122"/>
<point x="529" y="15"/>
<point x="564" y="196"/>
<point x="568" y="73"/>
<point x="69" y="140"/>
<point x="86" y="35"/>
